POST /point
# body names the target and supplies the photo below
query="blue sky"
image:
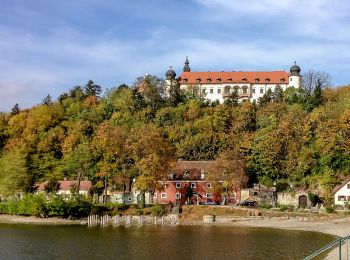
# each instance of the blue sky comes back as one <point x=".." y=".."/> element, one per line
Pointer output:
<point x="49" y="46"/>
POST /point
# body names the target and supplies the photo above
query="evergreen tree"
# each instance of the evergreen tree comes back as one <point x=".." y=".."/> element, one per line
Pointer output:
<point x="15" y="109"/>
<point x="47" y="100"/>
<point x="91" y="89"/>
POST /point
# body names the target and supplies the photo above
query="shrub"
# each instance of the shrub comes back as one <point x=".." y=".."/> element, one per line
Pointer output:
<point x="330" y="209"/>
<point x="265" y="206"/>
<point x="79" y="207"/>
<point x="286" y="208"/>
<point x="57" y="206"/>
<point x="158" y="210"/>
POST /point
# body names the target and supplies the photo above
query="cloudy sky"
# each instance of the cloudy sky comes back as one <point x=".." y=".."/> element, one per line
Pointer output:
<point x="49" y="46"/>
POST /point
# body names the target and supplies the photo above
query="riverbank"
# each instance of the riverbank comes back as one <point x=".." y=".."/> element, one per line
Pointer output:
<point x="14" y="219"/>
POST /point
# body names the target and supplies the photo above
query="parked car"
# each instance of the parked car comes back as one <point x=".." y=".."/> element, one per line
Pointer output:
<point x="248" y="203"/>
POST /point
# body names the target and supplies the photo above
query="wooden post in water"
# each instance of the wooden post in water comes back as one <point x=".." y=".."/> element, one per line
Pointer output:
<point x="162" y="220"/>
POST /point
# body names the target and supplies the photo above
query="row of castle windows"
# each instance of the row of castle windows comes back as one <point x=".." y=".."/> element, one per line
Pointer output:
<point x="267" y="80"/>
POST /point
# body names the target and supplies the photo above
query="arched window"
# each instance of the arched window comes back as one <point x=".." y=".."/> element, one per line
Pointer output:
<point x="236" y="89"/>
<point x="227" y="89"/>
<point x="245" y="89"/>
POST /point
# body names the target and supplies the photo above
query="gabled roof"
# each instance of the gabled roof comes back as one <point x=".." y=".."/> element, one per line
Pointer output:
<point x="191" y="170"/>
<point x="65" y="185"/>
<point x="231" y="77"/>
<point x="338" y="187"/>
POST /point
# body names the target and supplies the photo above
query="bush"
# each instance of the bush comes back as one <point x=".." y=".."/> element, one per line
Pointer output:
<point x="158" y="210"/>
<point x="330" y="209"/>
<point x="265" y="206"/>
<point x="286" y="208"/>
<point x="79" y="207"/>
<point x="57" y="206"/>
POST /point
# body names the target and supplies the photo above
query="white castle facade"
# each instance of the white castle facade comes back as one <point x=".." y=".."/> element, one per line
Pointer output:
<point x="250" y="85"/>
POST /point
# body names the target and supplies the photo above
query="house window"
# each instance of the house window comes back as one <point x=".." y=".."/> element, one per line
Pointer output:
<point x="193" y="185"/>
<point x="203" y="91"/>
<point x="208" y="195"/>
<point x="245" y="90"/>
<point x="253" y="90"/>
<point x="227" y="89"/>
<point x="163" y="195"/>
<point x="261" y="91"/>
<point x="211" y="91"/>
<point x="290" y="79"/>
<point x="208" y="185"/>
<point x="155" y="195"/>
<point x="130" y="199"/>
<point x="348" y="185"/>
<point x="219" y="90"/>
<point x="178" y="195"/>
<point x="341" y="198"/>
<point x="178" y="185"/>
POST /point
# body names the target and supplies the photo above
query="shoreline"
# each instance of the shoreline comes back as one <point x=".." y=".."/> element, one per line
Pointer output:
<point x="336" y="226"/>
<point x="18" y="219"/>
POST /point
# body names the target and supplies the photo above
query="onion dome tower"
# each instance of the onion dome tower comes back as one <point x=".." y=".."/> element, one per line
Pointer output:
<point x="294" y="76"/>
<point x="187" y="65"/>
<point x="295" y="70"/>
<point x="170" y="74"/>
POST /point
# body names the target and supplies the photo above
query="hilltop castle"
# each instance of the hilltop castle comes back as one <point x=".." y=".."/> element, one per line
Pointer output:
<point x="250" y="85"/>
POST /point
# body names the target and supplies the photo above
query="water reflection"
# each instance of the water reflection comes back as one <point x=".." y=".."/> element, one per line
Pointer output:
<point x="150" y="242"/>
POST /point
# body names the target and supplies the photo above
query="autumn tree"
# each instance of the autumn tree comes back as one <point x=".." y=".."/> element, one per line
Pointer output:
<point x="154" y="158"/>
<point x="230" y="168"/>
<point x="14" y="176"/>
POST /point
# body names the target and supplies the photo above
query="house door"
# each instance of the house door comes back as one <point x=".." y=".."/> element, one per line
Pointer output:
<point x="302" y="201"/>
<point x="139" y="198"/>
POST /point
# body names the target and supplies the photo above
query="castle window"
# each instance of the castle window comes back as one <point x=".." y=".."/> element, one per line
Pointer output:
<point x="203" y="90"/>
<point x="290" y="79"/>
<point x="219" y="90"/>
<point x="261" y="91"/>
<point x="178" y="196"/>
<point x="211" y="91"/>
<point x="227" y="89"/>
<point x="245" y="89"/>
<point x="178" y="185"/>
<point x="193" y="185"/>
<point x="253" y="90"/>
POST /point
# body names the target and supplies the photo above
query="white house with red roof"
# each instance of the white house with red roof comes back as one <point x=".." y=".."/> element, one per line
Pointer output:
<point x="342" y="193"/>
<point x="250" y="85"/>
<point x="65" y="188"/>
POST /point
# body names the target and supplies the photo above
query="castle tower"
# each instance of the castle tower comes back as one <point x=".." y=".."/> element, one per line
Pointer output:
<point x="294" y="76"/>
<point x="170" y="81"/>
<point x="187" y="65"/>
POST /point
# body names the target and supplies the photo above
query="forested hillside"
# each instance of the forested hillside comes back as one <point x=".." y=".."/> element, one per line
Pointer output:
<point x="290" y="139"/>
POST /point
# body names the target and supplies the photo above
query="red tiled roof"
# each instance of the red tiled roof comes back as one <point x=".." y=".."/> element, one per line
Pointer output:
<point x="65" y="185"/>
<point x="272" y="77"/>
<point x="191" y="170"/>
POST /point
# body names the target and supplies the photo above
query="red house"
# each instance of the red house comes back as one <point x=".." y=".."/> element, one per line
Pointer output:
<point x="187" y="185"/>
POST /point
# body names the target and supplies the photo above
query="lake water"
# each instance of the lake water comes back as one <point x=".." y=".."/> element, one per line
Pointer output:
<point x="150" y="242"/>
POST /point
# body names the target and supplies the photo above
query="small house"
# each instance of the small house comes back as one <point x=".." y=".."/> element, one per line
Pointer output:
<point x="67" y="188"/>
<point x="341" y="193"/>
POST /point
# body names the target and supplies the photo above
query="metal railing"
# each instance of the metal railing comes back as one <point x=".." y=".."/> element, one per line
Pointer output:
<point x="336" y="243"/>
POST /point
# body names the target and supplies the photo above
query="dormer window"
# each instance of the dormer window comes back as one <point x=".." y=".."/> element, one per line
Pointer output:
<point x="218" y="80"/>
<point x="230" y="79"/>
<point x="282" y="80"/>
<point x="198" y="80"/>
<point x="244" y="80"/>
<point x="208" y="80"/>
<point x="185" y="81"/>
<point x="267" y="80"/>
<point x="257" y="80"/>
